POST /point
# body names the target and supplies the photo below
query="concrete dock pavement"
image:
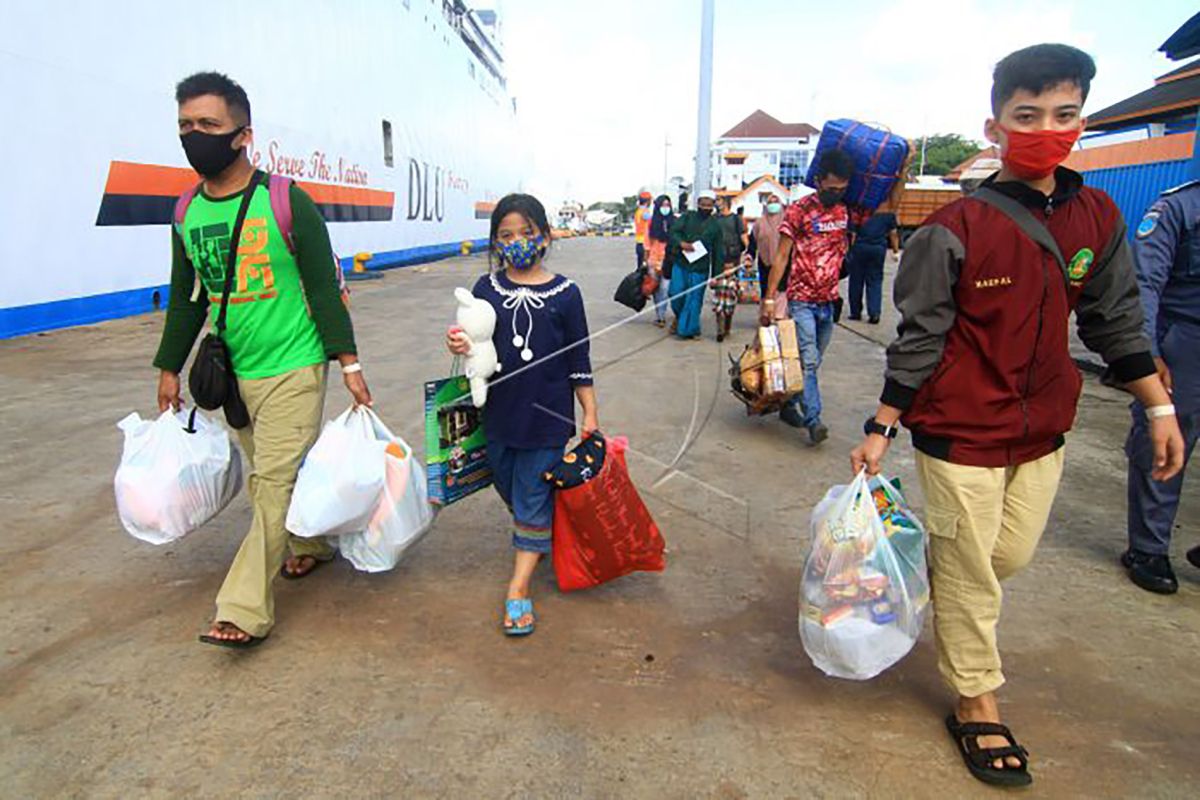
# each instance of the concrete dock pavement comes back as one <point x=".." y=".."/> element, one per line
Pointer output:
<point x="692" y="683"/>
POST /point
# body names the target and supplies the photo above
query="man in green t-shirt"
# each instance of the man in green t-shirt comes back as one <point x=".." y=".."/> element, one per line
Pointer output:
<point x="285" y="321"/>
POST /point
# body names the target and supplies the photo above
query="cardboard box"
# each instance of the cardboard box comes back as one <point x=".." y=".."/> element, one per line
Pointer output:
<point x="793" y="372"/>
<point x="774" y="378"/>
<point x="768" y="373"/>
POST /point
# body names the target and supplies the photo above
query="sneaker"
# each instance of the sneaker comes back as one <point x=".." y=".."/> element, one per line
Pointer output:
<point x="790" y="416"/>
<point x="855" y="317"/>
<point x="818" y="433"/>
<point x="873" y="321"/>
<point x="1150" y="572"/>
<point x="1193" y="557"/>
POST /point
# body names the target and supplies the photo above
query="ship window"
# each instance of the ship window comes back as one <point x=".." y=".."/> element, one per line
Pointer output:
<point x="387" y="144"/>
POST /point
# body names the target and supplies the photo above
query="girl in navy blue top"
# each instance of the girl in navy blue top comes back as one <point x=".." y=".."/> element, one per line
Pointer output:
<point x="542" y="341"/>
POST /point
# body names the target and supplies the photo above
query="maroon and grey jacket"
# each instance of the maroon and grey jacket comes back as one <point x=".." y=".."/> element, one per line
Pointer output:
<point x="981" y="367"/>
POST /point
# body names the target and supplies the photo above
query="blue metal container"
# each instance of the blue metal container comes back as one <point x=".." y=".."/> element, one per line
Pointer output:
<point x="1133" y="188"/>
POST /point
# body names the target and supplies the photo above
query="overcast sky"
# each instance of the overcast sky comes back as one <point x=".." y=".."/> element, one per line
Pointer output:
<point x="600" y="83"/>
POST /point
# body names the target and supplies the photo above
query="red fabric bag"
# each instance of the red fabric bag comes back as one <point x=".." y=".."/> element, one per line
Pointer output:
<point x="602" y="529"/>
<point x="650" y="283"/>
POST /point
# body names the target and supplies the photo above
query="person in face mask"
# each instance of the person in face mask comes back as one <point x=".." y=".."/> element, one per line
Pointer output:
<point x="658" y="238"/>
<point x="982" y="375"/>
<point x="814" y="238"/>
<point x="694" y="232"/>
<point x="643" y="215"/>
<point x="285" y="320"/>
<point x="541" y="338"/>
<point x="764" y="240"/>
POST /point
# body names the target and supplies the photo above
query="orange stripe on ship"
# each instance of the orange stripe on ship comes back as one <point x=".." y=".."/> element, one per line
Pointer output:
<point x="336" y="194"/>
<point x="125" y="177"/>
<point x="152" y="180"/>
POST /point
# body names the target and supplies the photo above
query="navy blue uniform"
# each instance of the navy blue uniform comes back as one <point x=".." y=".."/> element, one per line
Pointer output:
<point x="1167" y="251"/>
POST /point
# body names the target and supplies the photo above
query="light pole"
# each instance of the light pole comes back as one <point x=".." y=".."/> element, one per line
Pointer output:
<point x="704" y="124"/>
<point x="666" y="147"/>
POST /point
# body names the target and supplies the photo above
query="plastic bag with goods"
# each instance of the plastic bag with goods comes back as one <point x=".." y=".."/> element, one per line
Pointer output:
<point x="865" y="586"/>
<point x="176" y="473"/>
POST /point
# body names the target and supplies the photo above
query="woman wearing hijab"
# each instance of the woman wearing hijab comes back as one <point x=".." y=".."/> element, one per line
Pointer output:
<point x="656" y="254"/>
<point x="764" y="241"/>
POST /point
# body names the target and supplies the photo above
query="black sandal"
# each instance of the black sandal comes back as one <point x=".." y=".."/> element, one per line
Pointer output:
<point x="296" y="576"/>
<point x="233" y="644"/>
<point x="980" y="760"/>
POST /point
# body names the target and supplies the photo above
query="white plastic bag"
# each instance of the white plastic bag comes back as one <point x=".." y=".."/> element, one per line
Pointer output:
<point x="341" y="480"/>
<point x="176" y="473"/>
<point x="403" y="514"/>
<point x="865" y="587"/>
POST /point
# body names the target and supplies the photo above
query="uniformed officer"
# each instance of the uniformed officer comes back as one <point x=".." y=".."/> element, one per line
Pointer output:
<point x="1167" y="251"/>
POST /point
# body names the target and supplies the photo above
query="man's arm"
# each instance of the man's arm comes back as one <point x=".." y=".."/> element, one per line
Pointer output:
<point x="788" y="231"/>
<point x="1111" y="323"/>
<point x="675" y="235"/>
<point x="1154" y="250"/>
<point x="715" y="242"/>
<point x="185" y="319"/>
<point x="314" y="259"/>
<point x="924" y="295"/>
<point x="1109" y="313"/>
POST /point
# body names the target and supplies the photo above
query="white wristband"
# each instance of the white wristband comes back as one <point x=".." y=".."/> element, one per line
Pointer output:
<point x="349" y="369"/>
<point x="1155" y="412"/>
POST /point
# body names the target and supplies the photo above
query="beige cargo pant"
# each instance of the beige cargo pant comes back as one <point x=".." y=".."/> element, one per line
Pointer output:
<point x="285" y="418"/>
<point x="984" y="524"/>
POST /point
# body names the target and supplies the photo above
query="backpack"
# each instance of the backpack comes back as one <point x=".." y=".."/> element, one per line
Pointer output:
<point x="279" y="189"/>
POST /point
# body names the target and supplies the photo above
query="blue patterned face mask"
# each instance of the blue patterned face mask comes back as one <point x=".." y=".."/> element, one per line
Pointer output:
<point x="522" y="253"/>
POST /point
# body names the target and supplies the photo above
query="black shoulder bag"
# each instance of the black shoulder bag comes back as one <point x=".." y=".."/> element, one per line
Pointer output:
<point x="211" y="380"/>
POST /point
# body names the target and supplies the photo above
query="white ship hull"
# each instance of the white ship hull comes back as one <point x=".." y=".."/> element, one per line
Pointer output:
<point x="93" y="159"/>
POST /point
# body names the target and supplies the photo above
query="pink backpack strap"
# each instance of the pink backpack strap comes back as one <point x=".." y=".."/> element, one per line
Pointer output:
<point x="280" y="188"/>
<point x="181" y="206"/>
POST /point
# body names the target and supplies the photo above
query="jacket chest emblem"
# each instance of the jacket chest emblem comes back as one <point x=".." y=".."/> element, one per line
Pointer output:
<point x="991" y="283"/>
<point x="1081" y="265"/>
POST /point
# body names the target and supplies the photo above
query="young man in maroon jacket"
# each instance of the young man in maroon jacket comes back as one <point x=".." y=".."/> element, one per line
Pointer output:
<point x="980" y="371"/>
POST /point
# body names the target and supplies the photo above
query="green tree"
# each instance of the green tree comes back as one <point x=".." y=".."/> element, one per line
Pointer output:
<point x="623" y="209"/>
<point x="944" y="152"/>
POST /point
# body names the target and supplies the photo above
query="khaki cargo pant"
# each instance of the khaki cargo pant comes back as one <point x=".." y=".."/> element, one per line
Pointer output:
<point x="984" y="525"/>
<point x="285" y="418"/>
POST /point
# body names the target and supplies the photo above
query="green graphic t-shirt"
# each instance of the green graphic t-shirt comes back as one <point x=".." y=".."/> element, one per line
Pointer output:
<point x="268" y="326"/>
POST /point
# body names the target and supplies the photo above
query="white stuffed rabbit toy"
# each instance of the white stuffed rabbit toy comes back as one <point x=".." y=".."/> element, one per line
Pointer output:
<point x="477" y="320"/>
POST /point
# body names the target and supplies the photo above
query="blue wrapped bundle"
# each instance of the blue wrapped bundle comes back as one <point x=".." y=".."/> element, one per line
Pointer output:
<point x="878" y="158"/>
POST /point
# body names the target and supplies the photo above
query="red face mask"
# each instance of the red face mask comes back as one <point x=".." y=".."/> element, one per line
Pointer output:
<point x="1034" y="155"/>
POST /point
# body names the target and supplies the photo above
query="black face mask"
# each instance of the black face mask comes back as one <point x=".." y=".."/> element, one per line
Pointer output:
<point x="830" y="197"/>
<point x="704" y="212"/>
<point x="210" y="153"/>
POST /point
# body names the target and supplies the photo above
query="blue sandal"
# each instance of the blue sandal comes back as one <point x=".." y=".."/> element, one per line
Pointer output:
<point x="514" y="610"/>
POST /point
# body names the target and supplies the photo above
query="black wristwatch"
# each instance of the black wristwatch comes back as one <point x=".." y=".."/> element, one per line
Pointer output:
<point x="871" y="426"/>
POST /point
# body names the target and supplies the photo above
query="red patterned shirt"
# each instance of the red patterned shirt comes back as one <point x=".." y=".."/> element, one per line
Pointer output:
<point x="819" y="244"/>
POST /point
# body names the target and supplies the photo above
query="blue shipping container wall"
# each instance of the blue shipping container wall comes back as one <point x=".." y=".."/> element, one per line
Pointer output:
<point x="1135" y="187"/>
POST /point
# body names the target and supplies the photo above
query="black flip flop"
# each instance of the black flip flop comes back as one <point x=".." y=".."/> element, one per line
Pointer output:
<point x="979" y="760"/>
<point x="290" y="576"/>
<point x="234" y="644"/>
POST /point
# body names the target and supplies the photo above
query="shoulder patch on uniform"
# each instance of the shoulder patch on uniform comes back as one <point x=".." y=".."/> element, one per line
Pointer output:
<point x="1180" y="187"/>
<point x="1148" y="224"/>
<point x="1081" y="264"/>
